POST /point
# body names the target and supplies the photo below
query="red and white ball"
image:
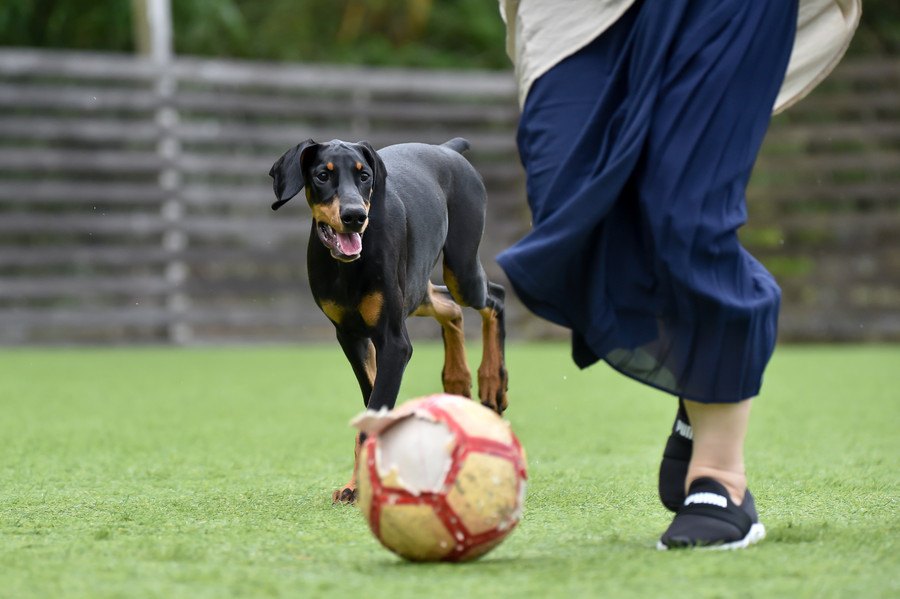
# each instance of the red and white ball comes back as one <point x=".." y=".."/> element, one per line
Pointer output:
<point x="441" y="478"/>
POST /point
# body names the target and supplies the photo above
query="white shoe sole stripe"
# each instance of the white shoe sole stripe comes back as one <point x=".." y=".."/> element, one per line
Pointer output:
<point x="756" y="534"/>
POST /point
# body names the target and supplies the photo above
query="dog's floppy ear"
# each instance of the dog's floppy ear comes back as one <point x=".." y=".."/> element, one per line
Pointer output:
<point x="376" y="164"/>
<point x="287" y="174"/>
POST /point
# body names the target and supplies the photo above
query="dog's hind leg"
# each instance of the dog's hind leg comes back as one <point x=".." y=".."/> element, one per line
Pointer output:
<point x="360" y="353"/>
<point x="439" y="304"/>
<point x="471" y="288"/>
<point x="492" y="376"/>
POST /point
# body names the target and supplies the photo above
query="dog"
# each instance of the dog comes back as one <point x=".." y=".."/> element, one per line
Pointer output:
<point x="380" y="221"/>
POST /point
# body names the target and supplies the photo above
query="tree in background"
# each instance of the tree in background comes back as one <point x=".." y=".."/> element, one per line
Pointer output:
<point x="424" y="33"/>
<point x="420" y="33"/>
<point x="97" y="25"/>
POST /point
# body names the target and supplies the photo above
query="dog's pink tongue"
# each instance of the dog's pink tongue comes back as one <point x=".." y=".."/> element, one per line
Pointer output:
<point x="351" y="243"/>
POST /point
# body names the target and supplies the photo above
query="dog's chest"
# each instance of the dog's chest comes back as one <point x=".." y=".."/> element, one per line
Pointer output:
<point x="349" y="304"/>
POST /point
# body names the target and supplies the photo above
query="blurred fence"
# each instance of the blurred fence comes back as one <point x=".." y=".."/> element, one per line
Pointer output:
<point x="134" y="202"/>
<point x="824" y="206"/>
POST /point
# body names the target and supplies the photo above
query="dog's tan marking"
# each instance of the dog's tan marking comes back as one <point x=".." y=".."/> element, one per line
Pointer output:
<point x="333" y="311"/>
<point x="370" y="364"/>
<point x="330" y="166"/>
<point x="455" y="376"/>
<point x="370" y="307"/>
<point x="359" y="166"/>
<point x="328" y="212"/>
<point x="453" y="285"/>
<point x="492" y="379"/>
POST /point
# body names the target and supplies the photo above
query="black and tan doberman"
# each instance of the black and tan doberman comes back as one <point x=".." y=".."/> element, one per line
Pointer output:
<point x="380" y="222"/>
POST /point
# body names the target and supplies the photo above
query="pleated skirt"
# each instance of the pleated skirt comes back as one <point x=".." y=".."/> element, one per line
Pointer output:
<point x="638" y="150"/>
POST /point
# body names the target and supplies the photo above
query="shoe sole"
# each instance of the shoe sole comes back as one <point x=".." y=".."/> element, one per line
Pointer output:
<point x="756" y="534"/>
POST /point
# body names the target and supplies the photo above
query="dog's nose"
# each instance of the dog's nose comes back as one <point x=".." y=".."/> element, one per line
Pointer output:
<point x="354" y="218"/>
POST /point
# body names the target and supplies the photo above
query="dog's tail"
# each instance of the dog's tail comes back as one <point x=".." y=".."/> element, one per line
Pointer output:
<point x="457" y="144"/>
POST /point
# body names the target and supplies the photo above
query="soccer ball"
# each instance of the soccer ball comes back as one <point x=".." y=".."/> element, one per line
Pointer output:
<point x="441" y="478"/>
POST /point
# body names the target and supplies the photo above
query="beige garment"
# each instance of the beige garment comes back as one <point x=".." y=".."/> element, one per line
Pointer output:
<point x="540" y="33"/>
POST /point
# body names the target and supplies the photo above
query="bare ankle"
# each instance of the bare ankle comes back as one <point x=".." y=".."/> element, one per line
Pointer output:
<point x="735" y="482"/>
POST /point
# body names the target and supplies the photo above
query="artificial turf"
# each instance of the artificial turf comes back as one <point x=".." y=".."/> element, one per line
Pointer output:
<point x="208" y="473"/>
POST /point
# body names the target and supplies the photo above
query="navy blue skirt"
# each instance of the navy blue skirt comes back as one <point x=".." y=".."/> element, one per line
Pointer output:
<point x="638" y="150"/>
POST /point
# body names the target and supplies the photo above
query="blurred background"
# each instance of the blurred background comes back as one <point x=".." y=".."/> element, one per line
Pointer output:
<point x="136" y="137"/>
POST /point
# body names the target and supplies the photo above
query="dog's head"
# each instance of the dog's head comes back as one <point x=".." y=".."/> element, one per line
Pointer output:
<point x="342" y="180"/>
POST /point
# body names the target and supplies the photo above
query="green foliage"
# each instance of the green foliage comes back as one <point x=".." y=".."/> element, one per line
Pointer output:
<point x="423" y="33"/>
<point x="208" y="473"/>
<point x="879" y="29"/>
<point x="94" y="25"/>
<point x="209" y="27"/>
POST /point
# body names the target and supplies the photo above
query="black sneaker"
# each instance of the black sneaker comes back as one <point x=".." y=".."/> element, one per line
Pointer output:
<point x="676" y="457"/>
<point x="709" y="519"/>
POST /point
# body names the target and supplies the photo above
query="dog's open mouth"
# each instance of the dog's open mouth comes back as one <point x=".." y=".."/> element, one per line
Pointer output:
<point x="345" y="247"/>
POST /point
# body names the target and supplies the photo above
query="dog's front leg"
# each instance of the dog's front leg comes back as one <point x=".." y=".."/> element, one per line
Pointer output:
<point x="360" y="352"/>
<point x="392" y="353"/>
<point x="347" y="493"/>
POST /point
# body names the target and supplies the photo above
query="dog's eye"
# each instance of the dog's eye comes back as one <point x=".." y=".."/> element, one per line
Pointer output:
<point x="322" y="177"/>
<point x="364" y="177"/>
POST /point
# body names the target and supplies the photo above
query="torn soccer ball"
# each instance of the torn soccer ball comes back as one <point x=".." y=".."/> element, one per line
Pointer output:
<point x="440" y="478"/>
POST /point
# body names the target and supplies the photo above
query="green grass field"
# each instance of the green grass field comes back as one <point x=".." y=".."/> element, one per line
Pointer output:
<point x="208" y="473"/>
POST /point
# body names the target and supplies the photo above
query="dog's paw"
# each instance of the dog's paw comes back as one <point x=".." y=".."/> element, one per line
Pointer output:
<point x="345" y="495"/>
<point x="497" y="404"/>
<point x="492" y="389"/>
<point x="457" y="385"/>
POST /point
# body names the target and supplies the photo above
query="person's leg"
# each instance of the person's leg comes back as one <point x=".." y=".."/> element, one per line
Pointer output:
<point x="718" y="452"/>
<point x="717" y="509"/>
<point x="719" y="306"/>
<point x="719" y="456"/>
<point x="673" y="468"/>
